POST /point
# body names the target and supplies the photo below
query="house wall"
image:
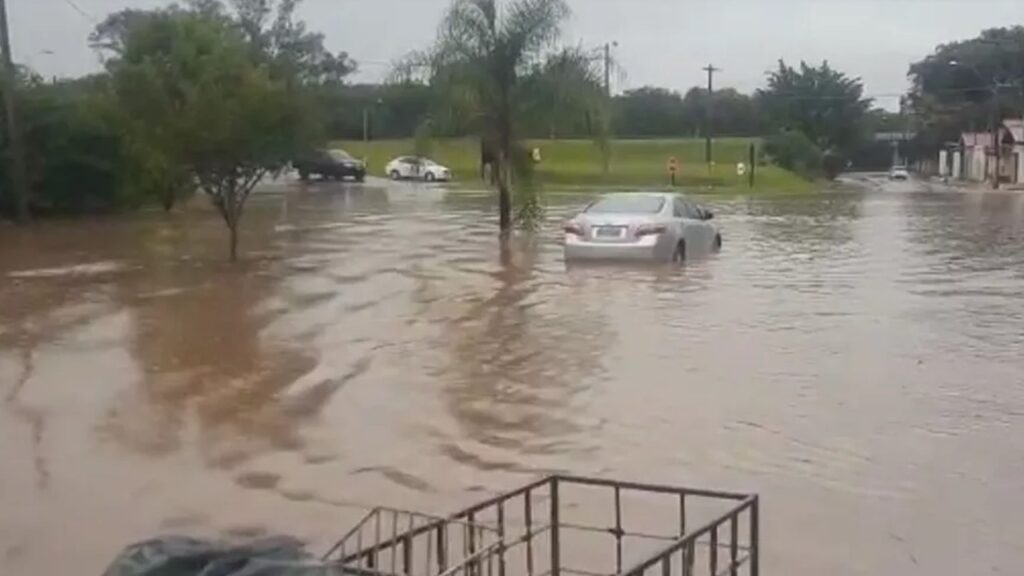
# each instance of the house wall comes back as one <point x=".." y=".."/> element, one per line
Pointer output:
<point x="1020" y="163"/>
<point x="1007" y="165"/>
<point x="957" y="165"/>
<point x="976" y="164"/>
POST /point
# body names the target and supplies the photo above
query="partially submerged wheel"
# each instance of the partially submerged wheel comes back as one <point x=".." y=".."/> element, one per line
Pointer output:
<point x="718" y="242"/>
<point x="430" y="177"/>
<point x="679" y="255"/>
<point x="395" y="175"/>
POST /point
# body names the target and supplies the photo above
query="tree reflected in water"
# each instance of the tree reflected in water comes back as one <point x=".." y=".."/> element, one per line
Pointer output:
<point x="517" y="369"/>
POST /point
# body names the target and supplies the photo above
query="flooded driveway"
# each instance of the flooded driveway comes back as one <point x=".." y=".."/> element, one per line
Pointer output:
<point x="857" y="358"/>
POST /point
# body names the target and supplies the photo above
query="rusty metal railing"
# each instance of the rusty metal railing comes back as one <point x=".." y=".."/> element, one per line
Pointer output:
<point x="527" y="532"/>
<point x="392" y="542"/>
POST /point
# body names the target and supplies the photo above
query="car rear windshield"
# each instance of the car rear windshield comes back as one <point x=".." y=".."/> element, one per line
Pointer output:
<point x="339" y="155"/>
<point x="627" y="205"/>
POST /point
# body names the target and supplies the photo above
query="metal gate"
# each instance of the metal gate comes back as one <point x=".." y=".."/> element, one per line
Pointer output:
<point x="564" y="525"/>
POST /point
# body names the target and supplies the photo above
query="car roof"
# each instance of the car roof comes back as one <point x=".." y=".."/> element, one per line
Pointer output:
<point x="662" y="195"/>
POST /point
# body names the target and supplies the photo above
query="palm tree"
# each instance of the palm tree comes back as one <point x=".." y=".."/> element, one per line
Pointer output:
<point x="491" y="64"/>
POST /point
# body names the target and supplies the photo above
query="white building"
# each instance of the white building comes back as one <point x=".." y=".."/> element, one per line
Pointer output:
<point x="974" y="156"/>
<point x="976" y="147"/>
<point x="1013" y="146"/>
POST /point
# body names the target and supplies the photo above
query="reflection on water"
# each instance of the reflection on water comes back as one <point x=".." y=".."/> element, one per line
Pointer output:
<point x="856" y="358"/>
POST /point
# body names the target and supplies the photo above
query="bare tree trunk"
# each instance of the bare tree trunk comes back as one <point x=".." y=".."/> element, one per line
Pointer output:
<point x="233" y="228"/>
<point x="229" y="210"/>
<point x="505" y="250"/>
<point x="504" y="195"/>
<point x="167" y="197"/>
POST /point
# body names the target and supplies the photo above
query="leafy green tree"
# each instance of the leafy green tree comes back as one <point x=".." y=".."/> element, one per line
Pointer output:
<point x="794" y="151"/>
<point x="278" y="39"/>
<point x="652" y="112"/>
<point x="74" y="153"/>
<point x="109" y="35"/>
<point x="657" y="112"/>
<point x="824" y="104"/>
<point x="968" y="85"/>
<point x="566" y="91"/>
<point x="220" y="112"/>
<point x="735" y="114"/>
<point x="487" y="63"/>
<point x="396" y="109"/>
<point x="149" y="77"/>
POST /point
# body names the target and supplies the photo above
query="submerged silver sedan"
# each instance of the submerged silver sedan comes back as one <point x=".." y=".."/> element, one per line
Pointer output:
<point x="641" y="227"/>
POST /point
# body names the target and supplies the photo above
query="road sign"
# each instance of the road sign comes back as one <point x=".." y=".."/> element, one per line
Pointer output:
<point x="673" y="165"/>
<point x="741" y="169"/>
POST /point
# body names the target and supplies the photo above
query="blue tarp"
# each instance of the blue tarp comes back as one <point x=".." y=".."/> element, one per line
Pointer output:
<point x="182" y="556"/>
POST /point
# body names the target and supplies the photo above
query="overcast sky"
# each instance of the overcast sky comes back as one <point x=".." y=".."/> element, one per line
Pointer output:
<point x="661" y="42"/>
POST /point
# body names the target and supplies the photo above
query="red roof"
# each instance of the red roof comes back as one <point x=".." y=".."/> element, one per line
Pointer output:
<point x="1016" y="128"/>
<point x="971" y="139"/>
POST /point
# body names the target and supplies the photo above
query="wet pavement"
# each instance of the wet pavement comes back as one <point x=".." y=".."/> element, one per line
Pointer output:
<point x="855" y="357"/>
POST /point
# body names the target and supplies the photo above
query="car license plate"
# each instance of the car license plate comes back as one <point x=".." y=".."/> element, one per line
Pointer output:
<point x="609" y="232"/>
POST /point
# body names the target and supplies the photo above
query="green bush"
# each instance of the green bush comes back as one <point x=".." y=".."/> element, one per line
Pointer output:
<point x="794" y="151"/>
<point x="73" y="151"/>
<point x="833" y="164"/>
<point x="78" y="156"/>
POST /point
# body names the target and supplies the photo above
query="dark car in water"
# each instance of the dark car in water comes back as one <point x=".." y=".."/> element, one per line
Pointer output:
<point x="331" y="165"/>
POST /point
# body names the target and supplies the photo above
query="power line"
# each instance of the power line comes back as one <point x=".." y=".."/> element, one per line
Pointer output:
<point x="81" y="11"/>
<point x="710" y="69"/>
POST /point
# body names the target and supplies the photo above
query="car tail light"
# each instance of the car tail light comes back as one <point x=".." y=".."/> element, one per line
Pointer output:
<point x="649" y="230"/>
<point x="574" y="228"/>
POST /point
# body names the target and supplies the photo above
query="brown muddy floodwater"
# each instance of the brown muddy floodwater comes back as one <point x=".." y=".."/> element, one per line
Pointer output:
<point x="856" y="358"/>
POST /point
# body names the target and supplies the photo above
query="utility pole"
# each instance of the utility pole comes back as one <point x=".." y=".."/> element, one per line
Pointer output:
<point x="607" y="120"/>
<point x="367" y="110"/>
<point x="608" y="70"/>
<point x="710" y="111"/>
<point x="19" y="182"/>
<point x="997" y="121"/>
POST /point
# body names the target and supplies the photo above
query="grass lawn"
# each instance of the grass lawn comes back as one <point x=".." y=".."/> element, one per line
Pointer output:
<point x="576" y="163"/>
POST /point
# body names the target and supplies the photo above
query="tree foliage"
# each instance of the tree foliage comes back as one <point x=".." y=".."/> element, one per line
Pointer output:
<point x="209" y="93"/>
<point x="734" y="114"/>
<point x="201" y="100"/>
<point x="395" y="110"/>
<point x="794" y="151"/>
<point x="824" y="104"/>
<point x="565" y="94"/>
<point x="74" y="157"/>
<point x="495" y="68"/>
<point x="275" y="37"/>
<point x="657" y="112"/>
<point x="952" y="88"/>
<point x="652" y="112"/>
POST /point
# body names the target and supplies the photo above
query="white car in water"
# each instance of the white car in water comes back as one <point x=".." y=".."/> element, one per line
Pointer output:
<point x="417" y="168"/>
<point x="641" y="227"/>
<point x="899" y="173"/>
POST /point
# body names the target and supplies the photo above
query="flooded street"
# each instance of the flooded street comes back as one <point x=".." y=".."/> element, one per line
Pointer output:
<point x="857" y="358"/>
